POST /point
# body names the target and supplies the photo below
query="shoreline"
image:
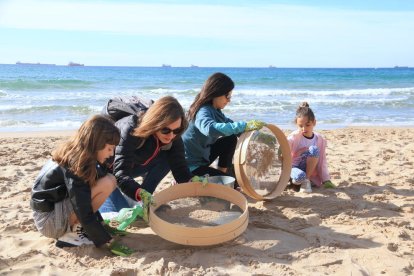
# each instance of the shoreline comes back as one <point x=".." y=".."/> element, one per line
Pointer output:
<point x="42" y="133"/>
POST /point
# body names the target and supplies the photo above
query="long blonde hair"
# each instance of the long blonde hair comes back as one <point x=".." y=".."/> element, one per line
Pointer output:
<point x="79" y="153"/>
<point x="161" y="113"/>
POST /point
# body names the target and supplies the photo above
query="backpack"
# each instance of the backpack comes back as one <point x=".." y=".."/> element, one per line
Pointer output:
<point x="120" y="107"/>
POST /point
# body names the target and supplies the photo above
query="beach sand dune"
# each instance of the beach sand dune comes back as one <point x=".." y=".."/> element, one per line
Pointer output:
<point x="365" y="226"/>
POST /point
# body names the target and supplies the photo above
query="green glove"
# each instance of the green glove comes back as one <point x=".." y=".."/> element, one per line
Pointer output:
<point x="254" y="125"/>
<point x="113" y="231"/>
<point x="121" y="250"/>
<point x="328" y="184"/>
<point x="202" y="179"/>
<point x="128" y="215"/>
<point x="147" y="200"/>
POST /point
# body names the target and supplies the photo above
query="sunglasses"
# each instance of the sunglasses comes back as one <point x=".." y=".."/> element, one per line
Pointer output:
<point x="167" y="130"/>
<point x="228" y="96"/>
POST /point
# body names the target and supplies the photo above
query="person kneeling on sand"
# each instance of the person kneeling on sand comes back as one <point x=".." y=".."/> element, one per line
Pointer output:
<point x="150" y="146"/>
<point x="211" y="134"/>
<point x="72" y="186"/>
<point x="309" y="165"/>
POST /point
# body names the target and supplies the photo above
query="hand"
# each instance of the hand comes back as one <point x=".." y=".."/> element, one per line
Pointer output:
<point x="254" y="125"/>
<point x="113" y="231"/>
<point x="328" y="184"/>
<point x="119" y="249"/>
<point x="147" y="200"/>
<point x="128" y="215"/>
<point x="202" y="179"/>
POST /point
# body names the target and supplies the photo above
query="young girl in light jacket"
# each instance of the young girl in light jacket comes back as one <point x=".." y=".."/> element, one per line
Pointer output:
<point x="308" y="150"/>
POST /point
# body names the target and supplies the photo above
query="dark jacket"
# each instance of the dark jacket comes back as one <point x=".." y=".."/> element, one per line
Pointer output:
<point x="55" y="183"/>
<point x="133" y="151"/>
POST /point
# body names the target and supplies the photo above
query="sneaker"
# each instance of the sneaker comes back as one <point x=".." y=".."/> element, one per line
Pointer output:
<point x="306" y="186"/>
<point x="76" y="237"/>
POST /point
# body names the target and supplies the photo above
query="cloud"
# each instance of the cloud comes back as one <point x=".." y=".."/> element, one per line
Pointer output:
<point x="215" y="21"/>
<point x="253" y="33"/>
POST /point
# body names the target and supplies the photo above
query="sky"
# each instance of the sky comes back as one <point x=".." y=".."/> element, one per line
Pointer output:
<point x="290" y="33"/>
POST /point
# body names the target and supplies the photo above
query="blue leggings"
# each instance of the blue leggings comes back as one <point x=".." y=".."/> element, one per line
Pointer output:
<point x="298" y="173"/>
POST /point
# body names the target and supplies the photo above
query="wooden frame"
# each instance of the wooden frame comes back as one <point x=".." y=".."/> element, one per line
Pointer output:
<point x="240" y="164"/>
<point x="205" y="235"/>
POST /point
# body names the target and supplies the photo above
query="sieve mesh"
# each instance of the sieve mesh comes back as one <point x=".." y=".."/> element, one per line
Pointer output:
<point x="263" y="165"/>
<point x="201" y="211"/>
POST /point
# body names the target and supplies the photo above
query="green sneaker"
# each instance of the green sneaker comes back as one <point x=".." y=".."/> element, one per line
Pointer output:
<point x="328" y="184"/>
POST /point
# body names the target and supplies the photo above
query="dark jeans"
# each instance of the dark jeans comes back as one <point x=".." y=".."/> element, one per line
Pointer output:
<point x="152" y="173"/>
<point x="224" y="149"/>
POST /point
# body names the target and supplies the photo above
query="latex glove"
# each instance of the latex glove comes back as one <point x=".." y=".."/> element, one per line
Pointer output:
<point x="254" y="125"/>
<point x="128" y="215"/>
<point x="113" y="231"/>
<point x="119" y="249"/>
<point x="328" y="184"/>
<point x="147" y="200"/>
<point x="202" y="179"/>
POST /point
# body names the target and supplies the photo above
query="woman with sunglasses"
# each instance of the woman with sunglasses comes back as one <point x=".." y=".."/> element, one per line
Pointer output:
<point x="211" y="134"/>
<point x="150" y="147"/>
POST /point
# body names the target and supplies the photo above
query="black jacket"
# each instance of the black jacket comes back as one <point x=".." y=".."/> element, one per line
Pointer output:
<point x="55" y="183"/>
<point x="133" y="151"/>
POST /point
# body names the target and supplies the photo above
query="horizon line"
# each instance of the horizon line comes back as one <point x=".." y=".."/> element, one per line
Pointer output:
<point x="198" y="66"/>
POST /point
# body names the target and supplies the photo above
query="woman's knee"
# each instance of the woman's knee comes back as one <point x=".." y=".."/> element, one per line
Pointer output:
<point x="107" y="183"/>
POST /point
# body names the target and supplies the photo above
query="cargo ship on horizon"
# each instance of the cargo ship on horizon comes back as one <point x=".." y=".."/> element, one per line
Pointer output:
<point x="36" y="63"/>
<point x="75" y="64"/>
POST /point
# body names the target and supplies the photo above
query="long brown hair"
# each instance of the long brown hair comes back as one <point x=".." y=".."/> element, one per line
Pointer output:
<point x="161" y="113"/>
<point x="79" y="153"/>
<point x="216" y="85"/>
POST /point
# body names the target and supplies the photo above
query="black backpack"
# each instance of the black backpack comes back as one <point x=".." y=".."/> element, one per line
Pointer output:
<point x="120" y="107"/>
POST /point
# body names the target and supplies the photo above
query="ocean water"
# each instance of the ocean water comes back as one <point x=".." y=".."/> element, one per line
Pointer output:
<point x="41" y="97"/>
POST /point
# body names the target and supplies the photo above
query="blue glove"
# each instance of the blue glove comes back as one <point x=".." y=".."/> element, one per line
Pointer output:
<point x="254" y="125"/>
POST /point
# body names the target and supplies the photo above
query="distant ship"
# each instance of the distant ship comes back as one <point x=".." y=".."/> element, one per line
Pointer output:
<point x="74" y="64"/>
<point x="400" y="67"/>
<point x="271" y="66"/>
<point x="193" y="66"/>
<point x="37" y="63"/>
<point x="166" y="65"/>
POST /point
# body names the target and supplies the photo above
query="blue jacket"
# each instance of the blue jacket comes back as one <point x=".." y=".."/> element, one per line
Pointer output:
<point x="209" y="125"/>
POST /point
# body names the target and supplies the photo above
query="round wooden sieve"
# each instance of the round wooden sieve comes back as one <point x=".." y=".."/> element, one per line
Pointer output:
<point x="240" y="164"/>
<point x="205" y="235"/>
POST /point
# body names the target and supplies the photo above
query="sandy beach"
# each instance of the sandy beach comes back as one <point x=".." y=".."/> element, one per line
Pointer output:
<point x="365" y="226"/>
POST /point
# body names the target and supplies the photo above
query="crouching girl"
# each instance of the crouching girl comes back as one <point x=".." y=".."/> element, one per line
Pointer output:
<point x="72" y="186"/>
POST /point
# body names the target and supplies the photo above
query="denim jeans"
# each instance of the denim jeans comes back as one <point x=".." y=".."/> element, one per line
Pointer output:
<point x="152" y="174"/>
<point x="298" y="173"/>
